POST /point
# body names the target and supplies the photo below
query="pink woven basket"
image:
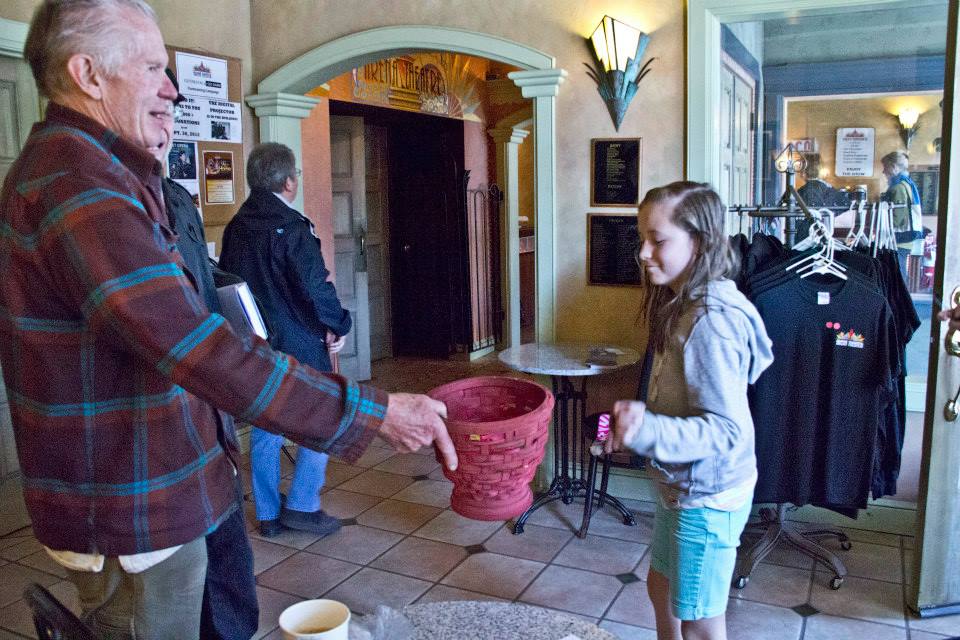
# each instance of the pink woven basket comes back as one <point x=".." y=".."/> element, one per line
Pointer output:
<point x="499" y="428"/>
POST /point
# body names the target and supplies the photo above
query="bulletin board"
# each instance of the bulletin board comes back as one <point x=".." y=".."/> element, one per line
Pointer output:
<point x="207" y="156"/>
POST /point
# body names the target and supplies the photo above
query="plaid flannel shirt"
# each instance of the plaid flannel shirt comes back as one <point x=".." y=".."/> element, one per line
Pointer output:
<point x="113" y="365"/>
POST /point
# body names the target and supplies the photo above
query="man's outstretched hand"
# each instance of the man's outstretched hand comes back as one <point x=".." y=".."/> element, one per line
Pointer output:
<point x="414" y="421"/>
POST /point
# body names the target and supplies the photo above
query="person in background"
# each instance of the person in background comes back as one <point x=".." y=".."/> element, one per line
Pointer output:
<point x="114" y="367"/>
<point x="272" y="246"/>
<point x="902" y="191"/>
<point x="816" y="191"/>
<point x="230" y="610"/>
<point x="708" y="343"/>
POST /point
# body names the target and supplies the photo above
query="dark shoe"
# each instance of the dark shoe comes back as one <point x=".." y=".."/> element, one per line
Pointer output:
<point x="270" y="528"/>
<point x="316" y="522"/>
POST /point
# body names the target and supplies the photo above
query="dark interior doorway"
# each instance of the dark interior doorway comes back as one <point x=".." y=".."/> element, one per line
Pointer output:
<point x="427" y="229"/>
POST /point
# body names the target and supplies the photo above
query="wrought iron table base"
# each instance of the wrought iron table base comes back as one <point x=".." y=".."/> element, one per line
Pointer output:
<point x="569" y="449"/>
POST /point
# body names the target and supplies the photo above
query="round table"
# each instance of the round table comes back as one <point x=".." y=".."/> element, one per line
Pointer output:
<point x="469" y="620"/>
<point x="564" y="362"/>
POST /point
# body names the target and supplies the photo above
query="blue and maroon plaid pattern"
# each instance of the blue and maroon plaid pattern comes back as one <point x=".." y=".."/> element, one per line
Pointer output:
<point x="113" y="365"/>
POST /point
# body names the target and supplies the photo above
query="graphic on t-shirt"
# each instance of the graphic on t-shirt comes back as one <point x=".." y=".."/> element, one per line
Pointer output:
<point x="850" y="339"/>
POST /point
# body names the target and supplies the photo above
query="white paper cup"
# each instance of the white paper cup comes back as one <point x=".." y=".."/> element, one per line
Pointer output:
<point x="316" y="620"/>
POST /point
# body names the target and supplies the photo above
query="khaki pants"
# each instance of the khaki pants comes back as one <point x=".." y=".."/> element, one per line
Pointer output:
<point x="162" y="602"/>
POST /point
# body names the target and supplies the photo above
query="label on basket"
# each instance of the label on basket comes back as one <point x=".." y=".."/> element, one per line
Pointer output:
<point x="476" y="437"/>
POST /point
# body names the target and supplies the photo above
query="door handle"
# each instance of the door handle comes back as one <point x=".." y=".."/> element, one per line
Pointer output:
<point x="361" y="258"/>
<point x="952" y="345"/>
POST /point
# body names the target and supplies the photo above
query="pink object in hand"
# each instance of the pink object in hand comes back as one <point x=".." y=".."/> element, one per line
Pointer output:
<point x="603" y="427"/>
<point x="499" y="429"/>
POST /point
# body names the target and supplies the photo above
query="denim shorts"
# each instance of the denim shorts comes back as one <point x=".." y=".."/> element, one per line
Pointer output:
<point x="696" y="550"/>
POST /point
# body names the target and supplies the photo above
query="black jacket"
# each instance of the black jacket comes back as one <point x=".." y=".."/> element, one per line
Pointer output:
<point x="270" y="245"/>
<point x="191" y="242"/>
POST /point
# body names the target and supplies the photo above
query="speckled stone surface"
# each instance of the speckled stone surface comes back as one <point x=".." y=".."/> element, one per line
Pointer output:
<point x="468" y="620"/>
<point x="566" y="359"/>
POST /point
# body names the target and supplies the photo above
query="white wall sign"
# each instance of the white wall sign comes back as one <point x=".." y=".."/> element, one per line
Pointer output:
<point x="855" y="147"/>
<point x="202" y="76"/>
<point x="209" y="120"/>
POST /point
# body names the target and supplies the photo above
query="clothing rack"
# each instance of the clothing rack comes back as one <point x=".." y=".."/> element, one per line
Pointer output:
<point x="774" y="525"/>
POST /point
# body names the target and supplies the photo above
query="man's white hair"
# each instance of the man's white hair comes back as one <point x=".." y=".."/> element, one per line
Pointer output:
<point x="62" y="28"/>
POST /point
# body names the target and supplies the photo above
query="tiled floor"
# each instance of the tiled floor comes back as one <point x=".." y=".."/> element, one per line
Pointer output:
<point x="401" y="543"/>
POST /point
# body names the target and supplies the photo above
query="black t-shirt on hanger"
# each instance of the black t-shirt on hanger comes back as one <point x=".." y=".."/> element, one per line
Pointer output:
<point x="817" y="408"/>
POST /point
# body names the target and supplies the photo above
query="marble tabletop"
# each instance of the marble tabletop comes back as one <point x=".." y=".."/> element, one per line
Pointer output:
<point x="567" y="359"/>
<point x="469" y="620"/>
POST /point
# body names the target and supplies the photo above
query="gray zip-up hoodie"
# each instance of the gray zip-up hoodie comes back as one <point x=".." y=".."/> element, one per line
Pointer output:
<point x="697" y="430"/>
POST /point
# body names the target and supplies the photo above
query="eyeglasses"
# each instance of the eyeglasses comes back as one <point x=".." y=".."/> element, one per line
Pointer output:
<point x="298" y="172"/>
<point x="177" y="112"/>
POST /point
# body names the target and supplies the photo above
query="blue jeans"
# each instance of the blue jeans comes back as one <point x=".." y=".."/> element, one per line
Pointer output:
<point x="308" y="476"/>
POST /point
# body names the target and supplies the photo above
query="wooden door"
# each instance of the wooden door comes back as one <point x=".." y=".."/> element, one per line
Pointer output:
<point x="377" y="245"/>
<point x="350" y="229"/>
<point x="428" y="241"/>
<point x="737" y="126"/>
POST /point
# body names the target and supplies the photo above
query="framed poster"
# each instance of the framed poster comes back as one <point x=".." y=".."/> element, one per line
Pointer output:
<point x="612" y="242"/>
<point x="218" y="177"/>
<point x="615" y="172"/>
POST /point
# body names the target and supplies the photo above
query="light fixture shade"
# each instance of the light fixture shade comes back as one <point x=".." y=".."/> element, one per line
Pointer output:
<point x="616" y="43"/>
<point x="908" y="117"/>
<point x="617" y="49"/>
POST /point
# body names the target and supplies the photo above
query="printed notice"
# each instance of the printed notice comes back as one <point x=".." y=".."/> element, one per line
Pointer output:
<point x="218" y="174"/>
<point x="202" y="76"/>
<point x="208" y="120"/>
<point x="854" y="152"/>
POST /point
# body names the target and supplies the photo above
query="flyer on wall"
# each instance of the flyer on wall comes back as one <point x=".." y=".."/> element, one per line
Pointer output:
<point x="218" y="177"/>
<point x="855" y="147"/>
<point x="202" y="76"/>
<point x="182" y="169"/>
<point x="209" y="120"/>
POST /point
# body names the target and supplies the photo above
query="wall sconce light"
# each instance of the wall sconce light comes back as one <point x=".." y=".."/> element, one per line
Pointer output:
<point x="908" y="124"/>
<point x="617" y="48"/>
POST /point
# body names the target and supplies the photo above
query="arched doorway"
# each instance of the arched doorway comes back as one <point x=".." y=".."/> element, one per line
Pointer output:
<point x="280" y="104"/>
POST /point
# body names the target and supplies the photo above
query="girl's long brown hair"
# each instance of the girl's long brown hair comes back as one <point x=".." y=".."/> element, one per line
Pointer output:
<point x="699" y="211"/>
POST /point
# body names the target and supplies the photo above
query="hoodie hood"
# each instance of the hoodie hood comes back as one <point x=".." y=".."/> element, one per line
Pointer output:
<point x="723" y="294"/>
<point x="266" y="212"/>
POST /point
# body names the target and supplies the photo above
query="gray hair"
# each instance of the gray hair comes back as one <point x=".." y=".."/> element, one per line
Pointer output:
<point x="63" y="28"/>
<point x="269" y="166"/>
<point x="899" y="160"/>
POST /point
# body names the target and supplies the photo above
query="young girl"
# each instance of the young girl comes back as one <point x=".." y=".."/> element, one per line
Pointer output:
<point x="708" y="344"/>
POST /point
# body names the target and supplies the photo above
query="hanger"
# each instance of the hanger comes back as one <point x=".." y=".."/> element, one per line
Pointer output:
<point x="822" y="261"/>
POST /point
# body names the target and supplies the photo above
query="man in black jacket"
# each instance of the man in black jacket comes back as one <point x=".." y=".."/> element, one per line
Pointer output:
<point x="272" y="246"/>
<point x="229" y="609"/>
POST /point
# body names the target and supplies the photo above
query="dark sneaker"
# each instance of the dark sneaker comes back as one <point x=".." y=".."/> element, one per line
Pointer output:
<point x="315" y="522"/>
<point x="270" y="528"/>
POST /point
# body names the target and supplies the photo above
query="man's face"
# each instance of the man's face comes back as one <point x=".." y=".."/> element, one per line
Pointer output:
<point x="137" y="102"/>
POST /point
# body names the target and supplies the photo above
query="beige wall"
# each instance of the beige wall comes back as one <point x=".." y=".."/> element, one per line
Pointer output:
<point x="286" y="29"/>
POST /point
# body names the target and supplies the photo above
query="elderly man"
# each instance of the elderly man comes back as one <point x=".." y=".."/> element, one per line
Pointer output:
<point x="112" y="362"/>
<point x="272" y="246"/>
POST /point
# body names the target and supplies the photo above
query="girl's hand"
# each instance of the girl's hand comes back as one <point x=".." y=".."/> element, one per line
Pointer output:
<point x="627" y="420"/>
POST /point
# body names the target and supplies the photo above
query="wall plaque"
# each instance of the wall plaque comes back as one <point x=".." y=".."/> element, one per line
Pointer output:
<point x="612" y="242"/>
<point x="615" y="172"/>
